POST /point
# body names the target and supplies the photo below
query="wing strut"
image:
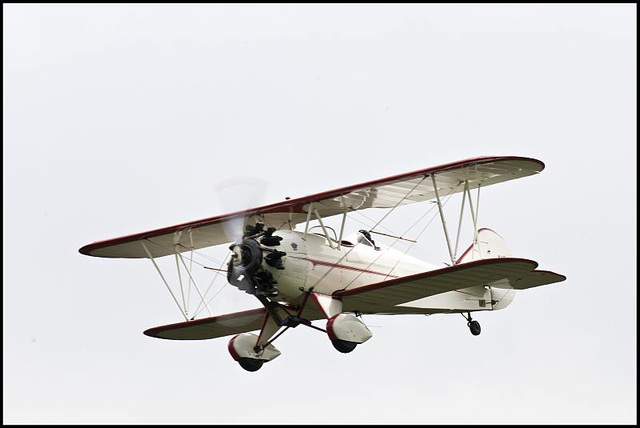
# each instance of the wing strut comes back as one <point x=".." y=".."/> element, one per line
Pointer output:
<point x="190" y="265"/>
<point x="306" y="227"/>
<point x="195" y="284"/>
<point x="164" y="280"/>
<point x="474" y="217"/>
<point x="178" y="256"/>
<point x="324" y="229"/>
<point x="344" y="217"/>
<point x="184" y="302"/>
<point x="444" y="223"/>
<point x="464" y="196"/>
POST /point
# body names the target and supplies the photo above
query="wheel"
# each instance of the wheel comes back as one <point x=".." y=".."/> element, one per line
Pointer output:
<point x="250" y="364"/>
<point x="474" y="326"/>
<point x="344" y="346"/>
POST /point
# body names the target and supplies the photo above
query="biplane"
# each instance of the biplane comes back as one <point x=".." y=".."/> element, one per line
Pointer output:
<point x="301" y="274"/>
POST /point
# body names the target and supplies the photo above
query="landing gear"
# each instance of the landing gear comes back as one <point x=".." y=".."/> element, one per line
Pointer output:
<point x="250" y="364"/>
<point x="243" y="349"/>
<point x="344" y="346"/>
<point x="474" y="326"/>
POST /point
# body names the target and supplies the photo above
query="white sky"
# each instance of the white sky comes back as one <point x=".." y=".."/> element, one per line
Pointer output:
<point x="120" y="119"/>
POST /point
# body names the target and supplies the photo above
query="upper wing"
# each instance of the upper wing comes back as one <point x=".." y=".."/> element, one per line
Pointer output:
<point x="383" y="296"/>
<point x="383" y="193"/>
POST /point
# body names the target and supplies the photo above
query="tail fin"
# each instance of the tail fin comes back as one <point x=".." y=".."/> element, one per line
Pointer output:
<point x="490" y="246"/>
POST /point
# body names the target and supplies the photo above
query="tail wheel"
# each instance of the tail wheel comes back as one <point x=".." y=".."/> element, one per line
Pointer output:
<point x="250" y="364"/>
<point x="344" y="346"/>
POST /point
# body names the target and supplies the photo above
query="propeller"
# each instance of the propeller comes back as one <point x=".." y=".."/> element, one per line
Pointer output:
<point x="237" y="194"/>
<point x="251" y="241"/>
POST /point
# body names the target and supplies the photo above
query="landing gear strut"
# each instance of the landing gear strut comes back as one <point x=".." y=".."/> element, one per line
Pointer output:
<point x="474" y="326"/>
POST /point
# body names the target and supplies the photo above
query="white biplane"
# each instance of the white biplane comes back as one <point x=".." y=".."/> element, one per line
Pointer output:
<point x="300" y="276"/>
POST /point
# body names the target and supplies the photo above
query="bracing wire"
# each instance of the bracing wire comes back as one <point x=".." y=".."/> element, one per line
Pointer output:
<point x="448" y="196"/>
<point x="421" y="232"/>
<point x="215" y="274"/>
<point x="198" y="308"/>
<point x="196" y="252"/>
<point x="379" y="221"/>
<point x="409" y="246"/>
<point x="376" y="224"/>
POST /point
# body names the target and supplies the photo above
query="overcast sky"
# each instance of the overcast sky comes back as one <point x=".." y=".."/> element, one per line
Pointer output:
<point x="125" y="118"/>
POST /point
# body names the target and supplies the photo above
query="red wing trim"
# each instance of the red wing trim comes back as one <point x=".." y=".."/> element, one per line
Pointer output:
<point x="295" y="205"/>
<point x="153" y="332"/>
<point x="366" y="288"/>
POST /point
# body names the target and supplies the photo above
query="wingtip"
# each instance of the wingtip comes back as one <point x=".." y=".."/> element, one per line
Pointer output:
<point x="87" y="250"/>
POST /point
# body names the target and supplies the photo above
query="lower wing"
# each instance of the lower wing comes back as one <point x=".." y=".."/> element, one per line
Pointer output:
<point x="225" y="325"/>
<point x="210" y="328"/>
<point x="381" y="297"/>
<point x="501" y="272"/>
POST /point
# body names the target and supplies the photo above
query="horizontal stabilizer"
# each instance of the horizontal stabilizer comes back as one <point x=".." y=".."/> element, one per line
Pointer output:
<point x="537" y="278"/>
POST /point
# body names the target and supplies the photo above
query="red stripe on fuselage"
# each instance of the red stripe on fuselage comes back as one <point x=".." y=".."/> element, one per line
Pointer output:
<point x="335" y="265"/>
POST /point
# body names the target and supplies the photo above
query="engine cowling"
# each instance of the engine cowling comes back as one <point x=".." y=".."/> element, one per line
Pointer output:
<point x="262" y="260"/>
<point x="245" y="262"/>
<point x="245" y="269"/>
